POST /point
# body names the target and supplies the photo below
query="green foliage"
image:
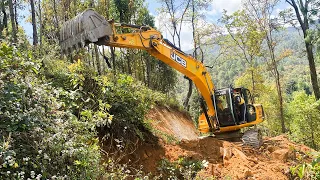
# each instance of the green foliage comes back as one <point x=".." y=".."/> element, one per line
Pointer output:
<point x="50" y="127"/>
<point x="244" y="34"/>
<point x="303" y="113"/>
<point x="307" y="170"/>
<point x="183" y="168"/>
<point x="40" y="135"/>
<point x="245" y="80"/>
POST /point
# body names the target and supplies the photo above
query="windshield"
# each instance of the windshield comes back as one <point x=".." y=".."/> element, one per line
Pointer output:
<point x="223" y="101"/>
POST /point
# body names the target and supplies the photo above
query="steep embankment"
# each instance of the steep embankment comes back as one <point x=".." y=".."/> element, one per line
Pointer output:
<point x="226" y="159"/>
<point x="172" y="122"/>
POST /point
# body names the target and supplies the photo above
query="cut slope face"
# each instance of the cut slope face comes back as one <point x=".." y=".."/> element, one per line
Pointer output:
<point x="226" y="159"/>
<point x="172" y="122"/>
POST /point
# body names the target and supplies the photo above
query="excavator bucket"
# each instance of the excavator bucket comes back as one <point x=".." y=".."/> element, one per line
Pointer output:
<point x="87" y="27"/>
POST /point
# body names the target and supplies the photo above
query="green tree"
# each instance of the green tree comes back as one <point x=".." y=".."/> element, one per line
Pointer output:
<point x="262" y="12"/>
<point x="304" y="11"/>
<point x="13" y="21"/>
<point x="243" y="41"/>
<point x="304" y="116"/>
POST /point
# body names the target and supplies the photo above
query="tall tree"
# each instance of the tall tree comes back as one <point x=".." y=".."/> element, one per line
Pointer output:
<point x="304" y="11"/>
<point x="4" y="23"/>
<point x="195" y="15"/>
<point x="262" y="12"/>
<point x="177" y="11"/>
<point x="34" y="23"/>
<point x="243" y="41"/>
<point x="13" y="23"/>
<point x="40" y="23"/>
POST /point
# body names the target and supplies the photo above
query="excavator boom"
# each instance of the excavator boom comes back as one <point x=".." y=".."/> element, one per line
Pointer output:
<point x="90" y="27"/>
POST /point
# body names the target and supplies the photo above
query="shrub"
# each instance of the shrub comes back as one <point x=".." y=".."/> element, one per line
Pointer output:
<point x="307" y="170"/>
<point x="183" y="168"/>
<point x="40" y="136"/>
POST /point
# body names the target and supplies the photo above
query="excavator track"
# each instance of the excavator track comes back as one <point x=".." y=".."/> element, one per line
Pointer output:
<point x="232" y="136"/>
<point x="253" y="138"/>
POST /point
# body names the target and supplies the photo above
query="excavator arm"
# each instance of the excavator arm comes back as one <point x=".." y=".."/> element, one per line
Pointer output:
<point x="90" y="27"/>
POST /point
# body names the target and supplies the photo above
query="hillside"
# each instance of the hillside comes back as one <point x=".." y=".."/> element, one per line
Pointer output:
<point x="95" y="93"/>
<point x="222" y="159"/>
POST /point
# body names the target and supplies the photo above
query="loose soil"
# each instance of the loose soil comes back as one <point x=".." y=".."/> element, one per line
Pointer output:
<point x="227" y="160"/>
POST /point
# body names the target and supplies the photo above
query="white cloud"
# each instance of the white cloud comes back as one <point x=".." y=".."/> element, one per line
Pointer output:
<point x="230" y="5"/>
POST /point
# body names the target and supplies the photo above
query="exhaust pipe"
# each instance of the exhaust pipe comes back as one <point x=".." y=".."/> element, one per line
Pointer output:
<point x="87" y="27"/>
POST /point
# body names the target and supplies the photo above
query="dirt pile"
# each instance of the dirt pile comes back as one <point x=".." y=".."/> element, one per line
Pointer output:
<point x="271" y="161"/>
<point x="226" y="159"/>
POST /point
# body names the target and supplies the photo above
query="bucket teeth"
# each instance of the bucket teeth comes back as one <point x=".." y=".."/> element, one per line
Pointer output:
<point x="87" y="27"/>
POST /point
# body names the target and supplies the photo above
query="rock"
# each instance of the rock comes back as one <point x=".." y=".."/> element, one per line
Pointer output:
<point x="189" y="144"/>
<point x="148" y="153"/>
<point x="239" y="154"/>
<point x="226" y="163"/>
<point x="145" y="156"/>
<point x="221" y="151"/>
<point x="281" y="155"/>
<point x="271" y="149"/>
<point x="255" y="160"/>
<point x="226" y="153"/>
<point x="248" y="173"/>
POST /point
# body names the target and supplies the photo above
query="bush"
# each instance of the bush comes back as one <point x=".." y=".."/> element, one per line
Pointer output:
<point x="307" y="170"/>
<point x="304" y="115"/>
<point x="183" y="168"/>
<point x="41" y="136"/>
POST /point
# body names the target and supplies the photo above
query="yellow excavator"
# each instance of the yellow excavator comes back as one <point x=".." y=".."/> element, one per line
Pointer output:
<point x="223" y="110"/>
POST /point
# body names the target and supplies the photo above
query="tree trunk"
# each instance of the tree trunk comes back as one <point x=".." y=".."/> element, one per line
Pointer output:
<point x="128" y="63"/>
<point x="304" y="23"/>
<point x="107" y="4"/>
<point x="186" y="101"/>
<point x="313" y="71"/>
<point x="13" y="24"/>
<point x="34" y="24"/>
<point x="4" y="24"/>
<point x="56" y="20"/>
<point x="271" y="48"/>
<point x="40" y="24"/>
<point x="190" y="83"/>
<point x="148" y="72"/>
<point x="94" y="64"/>
<point x="103" y="63"/>
<point x="277" y="76"/>
<point x="253" y="84"/>
<point x="16" y="15"/>
<point x="97" y="59"/>
<point x="113" y="57"/>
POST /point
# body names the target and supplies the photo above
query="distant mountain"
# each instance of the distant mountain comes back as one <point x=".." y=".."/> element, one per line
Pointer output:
<point x="225" y="72"/>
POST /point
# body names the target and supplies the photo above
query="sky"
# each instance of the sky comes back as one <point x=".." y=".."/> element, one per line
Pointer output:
<point x="212" y="15"/>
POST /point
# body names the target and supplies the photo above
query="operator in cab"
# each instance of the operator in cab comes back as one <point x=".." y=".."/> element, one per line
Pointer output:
<point x="241" y="106"/>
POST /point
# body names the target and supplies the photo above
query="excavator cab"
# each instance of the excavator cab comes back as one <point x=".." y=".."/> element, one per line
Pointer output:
<point x="234" y="110"/>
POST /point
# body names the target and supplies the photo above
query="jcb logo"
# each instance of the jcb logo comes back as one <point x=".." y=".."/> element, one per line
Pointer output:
<point x="179" y="60"/>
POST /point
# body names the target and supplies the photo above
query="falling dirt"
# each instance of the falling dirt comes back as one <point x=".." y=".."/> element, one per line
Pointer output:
<point x="226" y="160"/>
